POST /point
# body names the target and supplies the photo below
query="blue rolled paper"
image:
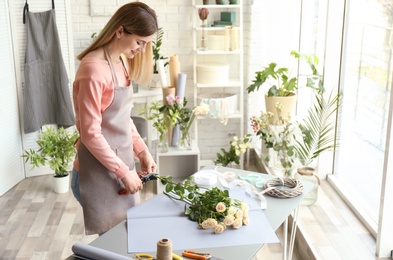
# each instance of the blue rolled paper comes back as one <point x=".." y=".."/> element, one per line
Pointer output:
<point x="180" y="92"/>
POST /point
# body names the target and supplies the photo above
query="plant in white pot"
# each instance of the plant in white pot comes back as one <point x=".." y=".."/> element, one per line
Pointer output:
<point x="156" y="45"/>
<point x="57" y="150"/>
<point x="284" y="86"/>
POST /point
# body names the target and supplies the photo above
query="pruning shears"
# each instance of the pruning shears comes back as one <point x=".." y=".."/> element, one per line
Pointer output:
<point x="150" y="257"/>
<point x="193" y="254"/>
<point x="144" y="178"/>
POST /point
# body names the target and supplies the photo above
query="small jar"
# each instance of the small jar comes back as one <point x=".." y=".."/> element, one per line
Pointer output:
<point x="309" y="174"/>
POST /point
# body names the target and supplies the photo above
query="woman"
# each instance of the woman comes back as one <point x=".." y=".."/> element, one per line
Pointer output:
<point x="102" y="95"/>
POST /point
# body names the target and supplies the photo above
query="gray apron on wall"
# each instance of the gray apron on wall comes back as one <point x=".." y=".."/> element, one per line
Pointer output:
<point x="46" y="93"/>
<point x="103" y="207"/>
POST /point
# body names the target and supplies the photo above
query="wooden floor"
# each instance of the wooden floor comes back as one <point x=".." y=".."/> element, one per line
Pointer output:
<point x="36" y="223"/>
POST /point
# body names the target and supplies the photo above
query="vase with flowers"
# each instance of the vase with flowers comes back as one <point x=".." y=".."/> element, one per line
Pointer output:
<point x="210" y="208"/>
<point x="174" y="111"/>
<point x="238" y="146"/>
<point x="187" y="117"/>
<point x="282" y="138"/>
<point x="163" y="120"/>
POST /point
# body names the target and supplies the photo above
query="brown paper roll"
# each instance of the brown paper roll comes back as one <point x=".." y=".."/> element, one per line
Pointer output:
<point x="164" y="249"/>
<point x="174" y="69"/>
<point x="166" y="91"/>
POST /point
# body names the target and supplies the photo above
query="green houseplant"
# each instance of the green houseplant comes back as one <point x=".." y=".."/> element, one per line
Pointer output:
<point x="284" y="85"/>
<point x="318" y="136"/>
<point x="56" y="149"/>
<point x="156" y="45"/>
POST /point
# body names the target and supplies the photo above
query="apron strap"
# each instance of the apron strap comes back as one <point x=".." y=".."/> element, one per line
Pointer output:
<point x="25" y="9"/>
<point x="109" y="59"/>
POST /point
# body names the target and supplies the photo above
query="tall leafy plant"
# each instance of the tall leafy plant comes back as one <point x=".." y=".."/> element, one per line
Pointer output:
<point x="56" y="149"/>
<point x="284" y="83"/>
<point x="156" y="43"/>
<point x="318" y="128"/>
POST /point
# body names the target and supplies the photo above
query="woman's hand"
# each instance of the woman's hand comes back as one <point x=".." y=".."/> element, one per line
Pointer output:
<point x="147" y="163"/>
<point x="132" y="183"/>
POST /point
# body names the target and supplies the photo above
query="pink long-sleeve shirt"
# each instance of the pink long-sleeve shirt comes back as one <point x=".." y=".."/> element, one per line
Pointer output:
<point x="93" y="92"/>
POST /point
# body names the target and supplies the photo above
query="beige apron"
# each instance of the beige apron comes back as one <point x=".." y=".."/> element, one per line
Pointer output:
<point x="103" y="207"/>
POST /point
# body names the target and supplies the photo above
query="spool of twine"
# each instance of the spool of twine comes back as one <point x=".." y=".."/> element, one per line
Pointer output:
<point x="164" y="249"/>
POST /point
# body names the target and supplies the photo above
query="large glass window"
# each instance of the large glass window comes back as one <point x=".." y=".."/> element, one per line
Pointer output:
<point x="365" y="84"/>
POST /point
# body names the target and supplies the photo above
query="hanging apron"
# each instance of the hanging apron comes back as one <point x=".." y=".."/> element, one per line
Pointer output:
<point x="103" y="207"/>
<point x="46" y="93"/>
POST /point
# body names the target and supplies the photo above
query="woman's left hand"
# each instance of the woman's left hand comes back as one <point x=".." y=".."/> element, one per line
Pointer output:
<point x="147" y="163"/>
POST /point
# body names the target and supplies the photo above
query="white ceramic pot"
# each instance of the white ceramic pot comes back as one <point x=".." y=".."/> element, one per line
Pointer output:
<point x="61" y="184"/>
<point x="287" y="104"/>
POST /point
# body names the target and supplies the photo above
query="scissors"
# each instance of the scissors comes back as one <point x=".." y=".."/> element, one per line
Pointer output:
<point x="150" y="257"/>
<point x="193" y="254"/>
<point x="144" y="178"/>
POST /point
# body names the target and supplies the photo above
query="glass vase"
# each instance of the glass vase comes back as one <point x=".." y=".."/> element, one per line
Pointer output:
<point x="185" y="141"/>
<point x="309" y="174"/>
<point x="163" y="146"/>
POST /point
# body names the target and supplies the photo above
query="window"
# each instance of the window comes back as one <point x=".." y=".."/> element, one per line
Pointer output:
<point x="366" y="86"/>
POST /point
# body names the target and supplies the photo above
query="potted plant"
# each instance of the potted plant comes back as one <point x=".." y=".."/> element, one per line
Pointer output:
<point x="156" y="45"/>
<point x="285" y="87"/>
<point x="318" y="137"/>
<point x="56" y="149"/>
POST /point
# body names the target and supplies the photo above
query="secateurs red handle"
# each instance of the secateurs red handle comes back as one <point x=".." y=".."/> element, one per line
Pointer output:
<point x="144" y="178"/>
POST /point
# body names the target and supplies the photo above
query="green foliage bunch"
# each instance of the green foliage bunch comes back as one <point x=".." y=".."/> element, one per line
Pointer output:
<point x="285" y="84"/>
<point x="318" y="128"/>
<point x="238" y="146"/>
<point x="56" y="148"/>
<point x="211" y="208"/>
<point x="161" y="122"/>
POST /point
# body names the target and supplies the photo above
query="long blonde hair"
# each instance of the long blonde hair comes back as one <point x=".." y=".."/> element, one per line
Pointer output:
<point x="139" y="19"/>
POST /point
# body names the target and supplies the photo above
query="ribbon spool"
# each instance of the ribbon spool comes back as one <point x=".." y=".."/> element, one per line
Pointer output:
<point x="164" y="249"/>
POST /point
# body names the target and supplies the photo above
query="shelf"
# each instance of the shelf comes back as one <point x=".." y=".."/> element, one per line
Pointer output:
<point x="237" y="115"/>
<point x="218" y="6"/>
<point x="178" y="163"/>
<point x="207" y="52"/>
<point x="228" y="84"/>
<point x="212" y="28"/>
<point x="234" y="82"/>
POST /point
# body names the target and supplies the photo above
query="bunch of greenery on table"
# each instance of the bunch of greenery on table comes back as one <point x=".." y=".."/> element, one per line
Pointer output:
<point x="238" y="146"/>
<point x="210" y="208"/>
